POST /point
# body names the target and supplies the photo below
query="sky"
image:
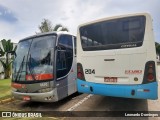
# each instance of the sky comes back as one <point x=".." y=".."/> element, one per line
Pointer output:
<point x="21" y="18"/>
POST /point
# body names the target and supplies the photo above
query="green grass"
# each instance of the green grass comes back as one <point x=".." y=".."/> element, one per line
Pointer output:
<point x="5" y="88"/>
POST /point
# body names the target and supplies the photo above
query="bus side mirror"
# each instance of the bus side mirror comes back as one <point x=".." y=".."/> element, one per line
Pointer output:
<point x="58" y="47"/>
<point x="12" y="53"/>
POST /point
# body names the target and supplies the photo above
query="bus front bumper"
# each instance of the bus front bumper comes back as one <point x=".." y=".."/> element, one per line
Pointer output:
<point x="39" y="97"/>
<point x="141" y="91"/>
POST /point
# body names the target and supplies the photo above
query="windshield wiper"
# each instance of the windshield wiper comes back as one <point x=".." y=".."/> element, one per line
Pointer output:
<point x="20" y="69"/>
<point x="31" y="70"/>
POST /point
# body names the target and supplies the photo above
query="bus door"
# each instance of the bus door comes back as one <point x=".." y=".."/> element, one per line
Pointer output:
<point x="64" y="61"/>
<point x="74" y="68"/>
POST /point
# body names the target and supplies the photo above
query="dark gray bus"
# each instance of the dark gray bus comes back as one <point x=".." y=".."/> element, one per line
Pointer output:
<point x="44" y="68"/>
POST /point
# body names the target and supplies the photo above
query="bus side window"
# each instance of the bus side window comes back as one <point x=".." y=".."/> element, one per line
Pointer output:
<point x="75" y="46"/>
<point x="64" y="55"/>
<point x="61" y="60"/>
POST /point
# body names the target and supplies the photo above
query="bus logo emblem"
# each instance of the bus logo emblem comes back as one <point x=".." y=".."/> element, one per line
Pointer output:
<point x="43" y="84"/>
<point x="133" y="71"/>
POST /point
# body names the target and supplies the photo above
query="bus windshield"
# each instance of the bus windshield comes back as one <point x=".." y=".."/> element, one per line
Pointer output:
<point x="34" y="59"/>
<point x="118" y="33"/>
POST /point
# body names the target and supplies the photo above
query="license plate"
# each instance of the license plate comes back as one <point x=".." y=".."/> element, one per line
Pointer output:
<point x="26" y="98"/>
<point x="110" y="79"/>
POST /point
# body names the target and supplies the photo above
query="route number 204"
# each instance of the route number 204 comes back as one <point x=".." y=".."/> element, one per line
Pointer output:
<point x="89" y="71"/>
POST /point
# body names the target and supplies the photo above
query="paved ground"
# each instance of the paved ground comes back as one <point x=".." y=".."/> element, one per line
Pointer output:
<point x="85" y="102"/>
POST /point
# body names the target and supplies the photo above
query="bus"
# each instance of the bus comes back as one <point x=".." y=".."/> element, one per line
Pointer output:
<point x="45" y="67"/>
<point x="116" y="57"/>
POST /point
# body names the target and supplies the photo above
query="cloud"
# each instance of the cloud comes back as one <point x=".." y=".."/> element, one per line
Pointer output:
<point x="6" y="15"/>
<point x="71" y="13"/>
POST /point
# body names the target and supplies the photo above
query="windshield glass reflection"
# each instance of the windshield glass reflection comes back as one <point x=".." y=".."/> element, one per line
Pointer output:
<point x="34" y="60"/>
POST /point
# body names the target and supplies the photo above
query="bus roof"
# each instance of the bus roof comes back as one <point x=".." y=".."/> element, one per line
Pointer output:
<point x="47" y="33"/>
<point x="113" y="17"/>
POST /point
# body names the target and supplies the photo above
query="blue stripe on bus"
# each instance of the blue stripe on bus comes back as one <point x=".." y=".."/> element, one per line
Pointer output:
<point x="142" y="91"/>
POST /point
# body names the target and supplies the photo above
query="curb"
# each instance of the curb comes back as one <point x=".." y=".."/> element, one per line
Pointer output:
<point x="7" y="100"/>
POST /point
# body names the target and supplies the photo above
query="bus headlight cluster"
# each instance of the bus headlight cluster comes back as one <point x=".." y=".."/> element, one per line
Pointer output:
<point x="44" y="90"/>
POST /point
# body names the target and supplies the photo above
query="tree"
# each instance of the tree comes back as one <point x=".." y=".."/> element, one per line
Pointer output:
<point x="6" y="47"/>
<point x="59" y="27"/>
<point x="157" y="49"/>
<point x="46" y="26"/>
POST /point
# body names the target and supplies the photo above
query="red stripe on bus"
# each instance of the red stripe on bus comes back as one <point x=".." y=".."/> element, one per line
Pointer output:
<point x="40" y="77"/>
<point x="16" y="85"/>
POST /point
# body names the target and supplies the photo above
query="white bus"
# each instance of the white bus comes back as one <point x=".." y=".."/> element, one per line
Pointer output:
<point x="45" y="67"/>
<point x="116" y="57"/>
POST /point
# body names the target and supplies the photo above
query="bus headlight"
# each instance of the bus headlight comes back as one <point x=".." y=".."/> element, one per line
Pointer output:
<point x="44" y="90"/>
